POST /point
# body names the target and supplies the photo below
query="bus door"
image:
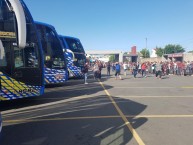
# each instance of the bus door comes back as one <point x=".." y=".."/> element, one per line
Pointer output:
<point x="20" y="71"/>
<point x="26" y="66"/>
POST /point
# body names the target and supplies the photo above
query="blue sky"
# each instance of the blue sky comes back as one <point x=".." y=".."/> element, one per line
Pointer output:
<point x="113" y="24"/>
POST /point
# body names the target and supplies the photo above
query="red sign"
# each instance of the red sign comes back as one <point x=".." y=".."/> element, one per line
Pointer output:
<point x="133" y="50"/>
<point x="175" y="55"/>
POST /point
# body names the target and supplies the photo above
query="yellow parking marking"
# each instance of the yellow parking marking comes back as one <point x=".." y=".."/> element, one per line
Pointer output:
<point x="60" y="119"/>
<point x="158" y="97"/>
<point x="127" y="123"/>
<point x="144" y="87"/>
<point x="187" y="87"/>
<point x="97" y="117"/>
<point x="161" y="116"/>
<point x="70" y="89"/>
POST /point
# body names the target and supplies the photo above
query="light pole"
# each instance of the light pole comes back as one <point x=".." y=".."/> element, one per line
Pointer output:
<point x="145" y="46"/>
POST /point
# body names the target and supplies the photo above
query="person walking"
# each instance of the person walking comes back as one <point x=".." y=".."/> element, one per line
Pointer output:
<point x="135" y="70"/>
<point x="117" y="71"/>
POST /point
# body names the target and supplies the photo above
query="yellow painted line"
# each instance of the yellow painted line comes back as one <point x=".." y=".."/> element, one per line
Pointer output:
<point x="158" y="97"/>
<point x="161" y="116"/>
<point x="188" y="87"/>
<point x="97" y="117"/>
<point x="59" y="119"/>
<point x="43" y="106"/>
<point x="184" y="87"/>
<point x="127" y="123"/>
<point x="71" y="89"/>
<point x="144" y="87"/>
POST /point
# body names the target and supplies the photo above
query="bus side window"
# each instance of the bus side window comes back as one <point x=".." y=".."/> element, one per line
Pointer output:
<point x="3" y="61"/>
<point x="30" y="57"/>
<point x="18" y="57"/>
<point x="74" y="46"/>
<point x="25" y="57"/>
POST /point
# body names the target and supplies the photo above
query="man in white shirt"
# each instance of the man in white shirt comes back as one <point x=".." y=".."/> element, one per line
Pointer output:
<point x="125" y="67"/>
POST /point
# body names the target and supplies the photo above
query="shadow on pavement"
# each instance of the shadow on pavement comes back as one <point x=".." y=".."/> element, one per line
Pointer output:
<point x="73" y="88"/>
<point x="92" y="121"/>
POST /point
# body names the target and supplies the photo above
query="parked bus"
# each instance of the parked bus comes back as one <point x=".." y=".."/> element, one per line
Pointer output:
<point x="21" y="61"/>
<point x="75" y="56"/>
<point x="0" y="125"/>
<point x="54" y="61"/>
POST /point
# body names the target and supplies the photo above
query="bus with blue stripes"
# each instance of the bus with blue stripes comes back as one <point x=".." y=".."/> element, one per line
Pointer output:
<point x="0" y="125"/>
<point x="75" y="56"/>
<point x="54" y="60"/>
<point x="21" y="57"/>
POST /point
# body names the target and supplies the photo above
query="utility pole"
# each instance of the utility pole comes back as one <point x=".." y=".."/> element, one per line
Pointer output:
<point x="145" y="46"/>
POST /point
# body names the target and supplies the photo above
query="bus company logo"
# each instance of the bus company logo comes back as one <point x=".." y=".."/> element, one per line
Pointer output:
<point x="7" y="34"/>
<point x="27" y="91"/>
<point x="59" y="76"/>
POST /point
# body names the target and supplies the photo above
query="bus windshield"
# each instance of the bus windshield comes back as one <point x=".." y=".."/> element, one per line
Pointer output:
<point x="74" y="45"/>
<point x="26" y="57"/>
<point x="53" y="51"/>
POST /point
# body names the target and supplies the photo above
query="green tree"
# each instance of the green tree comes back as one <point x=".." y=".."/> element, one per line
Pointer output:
<point x="159" y="51"/>
<point x="145" y="53"/>
<point x="112" y="58"/>
<point x="190" y="51"/>
<point x="170" y="48"/>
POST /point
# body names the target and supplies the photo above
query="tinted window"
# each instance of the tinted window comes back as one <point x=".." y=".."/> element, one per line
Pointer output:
<point x="74" y="45"/>
<point x="52" y="48"/>
<point x="25" y="57"/>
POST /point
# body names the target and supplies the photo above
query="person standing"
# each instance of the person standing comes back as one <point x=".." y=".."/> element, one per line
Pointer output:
<point x="113" y="67"/>
<point x="85" y="72"/>
<point x="125" y="67"/>
<point x="96" y="70"/>
<point x="108" y="69"/>
<point x="143" y="69"/>
<point x="158" y="70"/>
<point x="139" y="67"/>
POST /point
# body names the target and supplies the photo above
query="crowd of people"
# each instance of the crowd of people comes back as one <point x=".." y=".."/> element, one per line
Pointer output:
<point x="158" y="69"/>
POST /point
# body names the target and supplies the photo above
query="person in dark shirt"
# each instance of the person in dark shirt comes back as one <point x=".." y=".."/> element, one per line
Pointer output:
<point x="108" y="69"/>
<point x="85" y="72"/>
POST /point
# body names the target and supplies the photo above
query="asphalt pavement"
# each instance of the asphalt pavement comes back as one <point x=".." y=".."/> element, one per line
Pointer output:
<point x="145" y="111"/>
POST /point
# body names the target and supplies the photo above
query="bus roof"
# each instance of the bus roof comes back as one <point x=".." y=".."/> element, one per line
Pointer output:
<point x="45" y="24"/>
<point x="69" y="37"/>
